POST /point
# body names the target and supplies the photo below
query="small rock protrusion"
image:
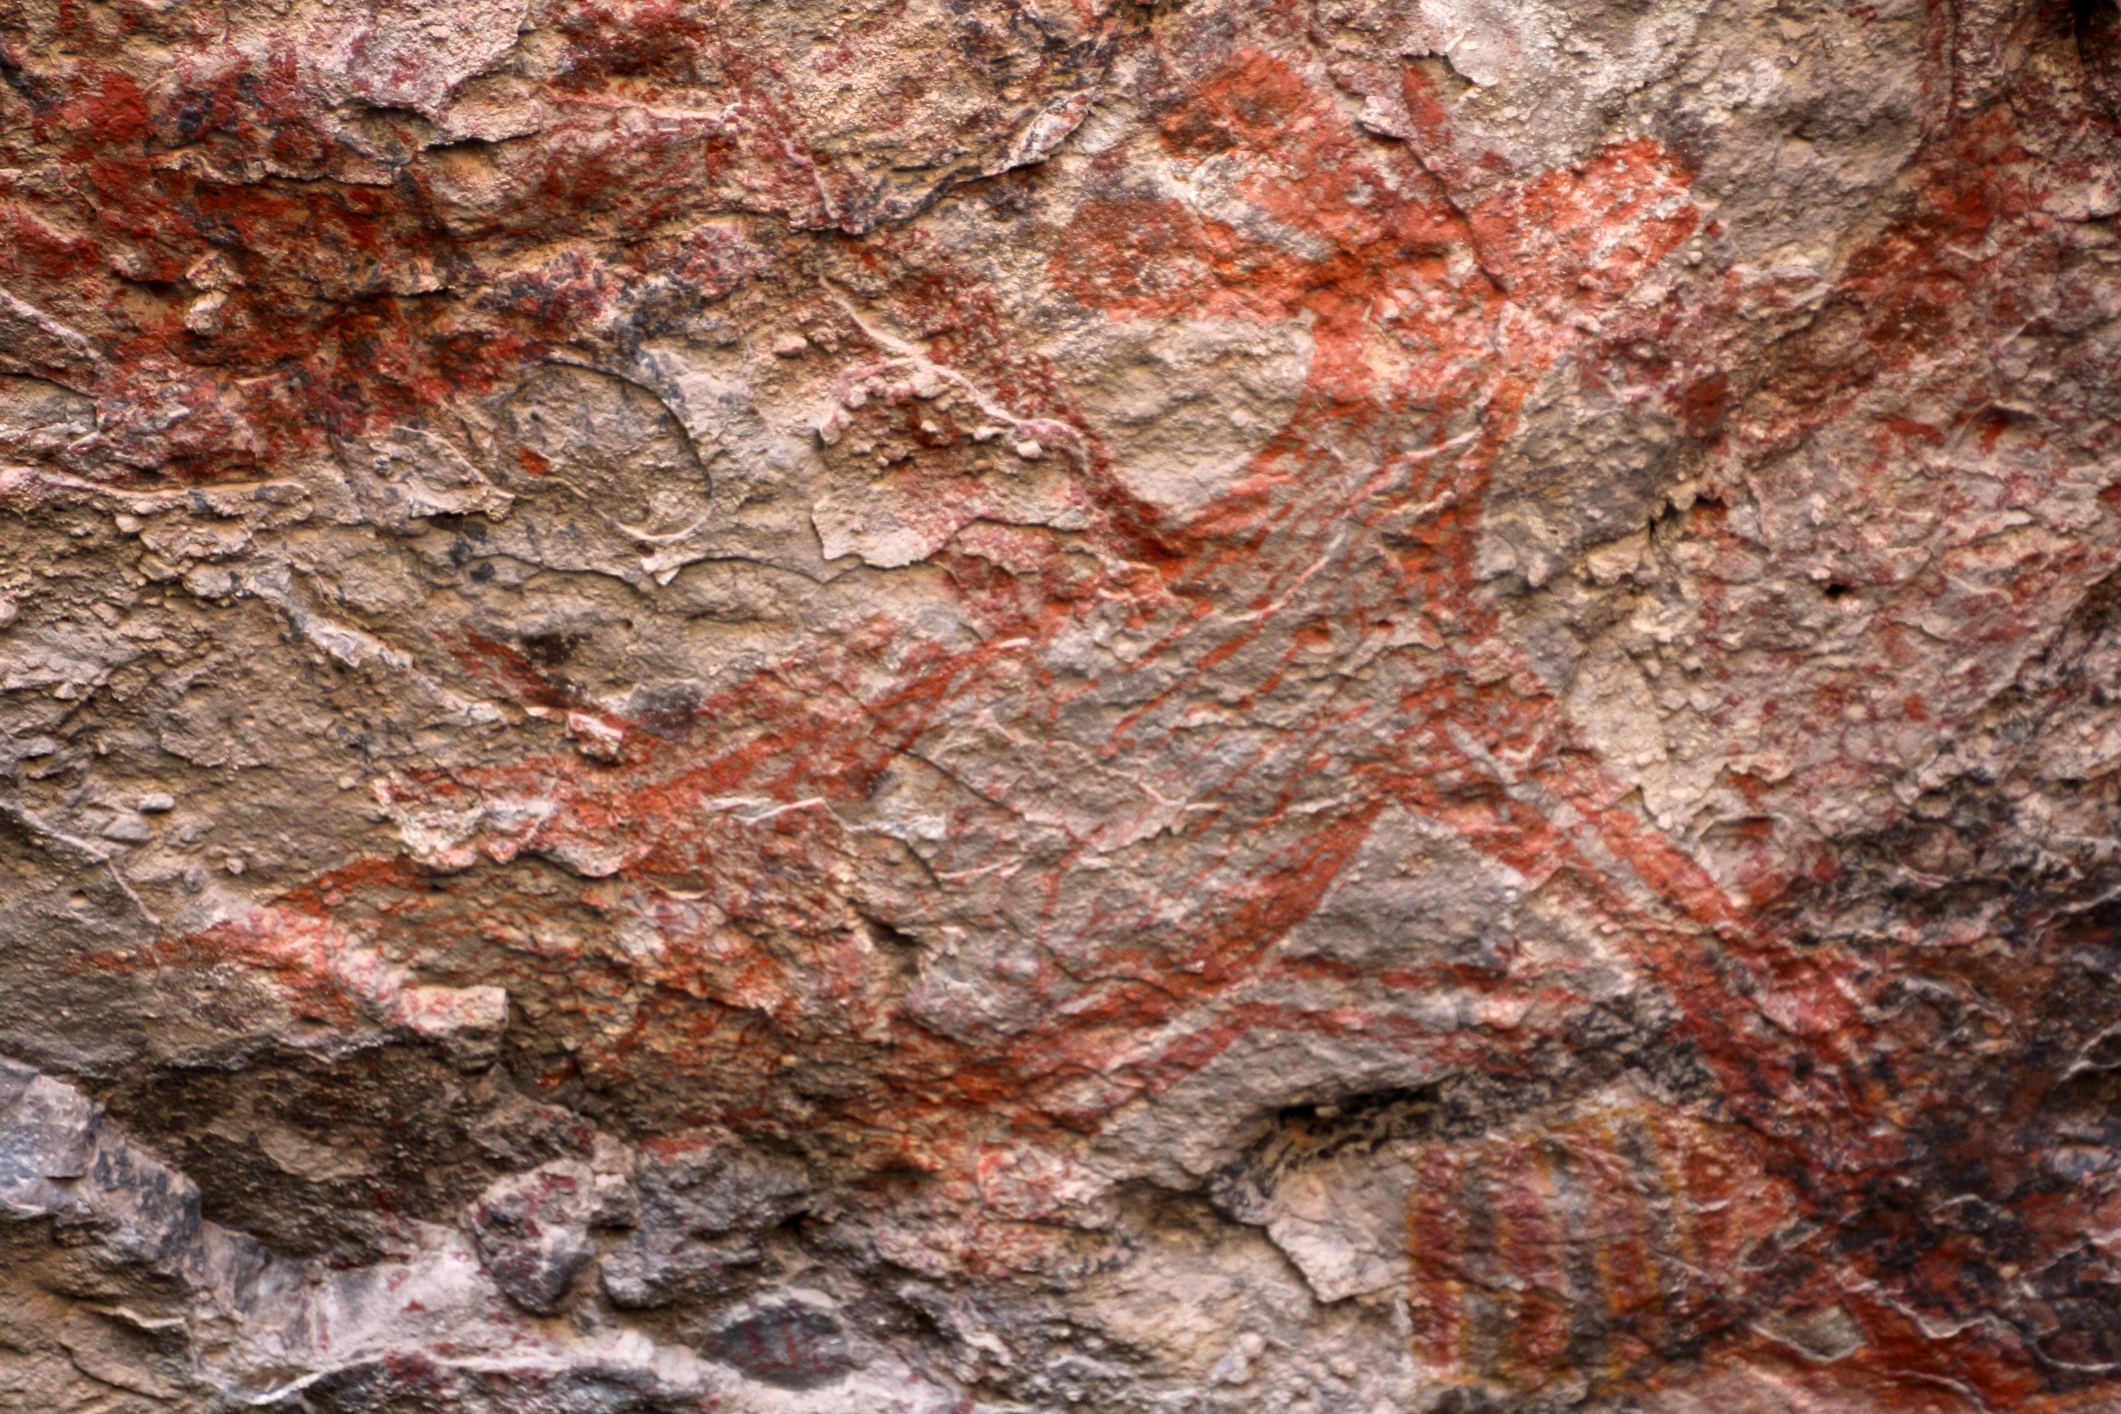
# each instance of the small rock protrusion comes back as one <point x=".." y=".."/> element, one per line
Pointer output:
<point x="1029" y="450"/>
<point x="794" y="1339"/>
<point x="48" y="1133"/>
<point x="159" y="802"/>
<point x="532" y="1229"/>
<point x="209" y="582"/>
<point x="595" y="738"/>
<point x="468" y="1022"/>
<point x="790" y="346"/>
<point x="129" y="828"/>
<point x="703" y="1206"/>
<point x="1235" y="1368"/>
<point x="204" y="317"/>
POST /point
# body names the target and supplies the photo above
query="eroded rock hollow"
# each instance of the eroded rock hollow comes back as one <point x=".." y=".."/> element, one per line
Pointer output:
<point x="1024" y="705"/>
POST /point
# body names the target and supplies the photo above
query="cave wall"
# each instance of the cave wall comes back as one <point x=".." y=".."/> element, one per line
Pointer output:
<point x="1018" y="705"/>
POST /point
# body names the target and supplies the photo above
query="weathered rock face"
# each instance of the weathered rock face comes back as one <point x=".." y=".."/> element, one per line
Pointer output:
<point x="1341" y="705"/>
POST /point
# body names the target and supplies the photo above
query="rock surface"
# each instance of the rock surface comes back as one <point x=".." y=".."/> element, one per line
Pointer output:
<point x="1329" y="705"/>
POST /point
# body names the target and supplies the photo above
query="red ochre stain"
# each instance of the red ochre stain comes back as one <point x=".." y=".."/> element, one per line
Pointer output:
<point x="787" y="974"/>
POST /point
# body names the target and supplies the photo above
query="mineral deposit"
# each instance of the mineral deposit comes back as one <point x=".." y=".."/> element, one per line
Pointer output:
<point x="1002" y="706"/>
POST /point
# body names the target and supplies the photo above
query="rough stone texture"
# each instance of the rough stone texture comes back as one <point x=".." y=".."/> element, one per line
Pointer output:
<point x="1321" y="705"/>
